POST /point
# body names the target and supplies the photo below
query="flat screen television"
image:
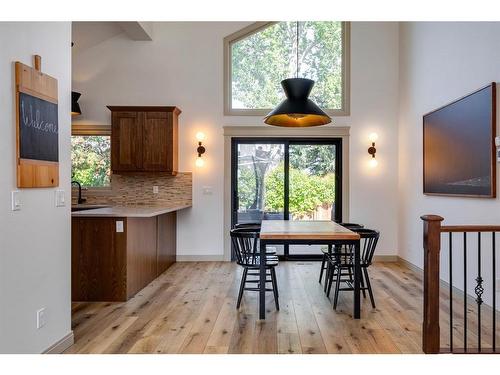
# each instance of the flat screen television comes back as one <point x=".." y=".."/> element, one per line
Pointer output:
<point x="459" y="146"/>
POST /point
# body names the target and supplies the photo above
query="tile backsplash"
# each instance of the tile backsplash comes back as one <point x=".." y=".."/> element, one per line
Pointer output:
<point x="137" y="190"/>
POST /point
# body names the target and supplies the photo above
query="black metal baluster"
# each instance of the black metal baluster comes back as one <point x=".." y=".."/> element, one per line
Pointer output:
<point x="494" y="293"/>
<point x="479" y="291"/>
<point x="465" y="291"/>
<point x="451" y="296"/>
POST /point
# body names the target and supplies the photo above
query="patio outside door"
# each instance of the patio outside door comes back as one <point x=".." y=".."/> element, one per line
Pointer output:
<point x="291" y="179"/>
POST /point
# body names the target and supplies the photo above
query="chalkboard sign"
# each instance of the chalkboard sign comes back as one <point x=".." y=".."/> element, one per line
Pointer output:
<point x="38" y="129"/>
<point x="37" y="126"/>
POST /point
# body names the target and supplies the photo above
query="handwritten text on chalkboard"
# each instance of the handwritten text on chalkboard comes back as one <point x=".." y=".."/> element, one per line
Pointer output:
<point x="38" y="128"/>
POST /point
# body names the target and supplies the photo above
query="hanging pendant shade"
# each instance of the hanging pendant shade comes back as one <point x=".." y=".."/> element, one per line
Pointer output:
<point x="297" y="110"/>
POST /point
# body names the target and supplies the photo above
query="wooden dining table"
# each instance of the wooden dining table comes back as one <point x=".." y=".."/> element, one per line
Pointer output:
<point x="312" y="232"/>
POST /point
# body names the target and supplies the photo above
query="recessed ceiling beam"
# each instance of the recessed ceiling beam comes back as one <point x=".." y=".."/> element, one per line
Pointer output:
<point x="139" y="31"/>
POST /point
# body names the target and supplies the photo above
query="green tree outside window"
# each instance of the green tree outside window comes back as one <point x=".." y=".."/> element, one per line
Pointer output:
<point x="262" y="60"/>
<point x="90" y="160"/>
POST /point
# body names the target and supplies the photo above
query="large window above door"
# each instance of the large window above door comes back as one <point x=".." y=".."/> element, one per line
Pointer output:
<point x="260" y="56"/>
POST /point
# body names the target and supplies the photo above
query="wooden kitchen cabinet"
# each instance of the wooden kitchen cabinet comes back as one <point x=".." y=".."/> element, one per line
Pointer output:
<point x="144" y="139"/>
<point x="167" y="241"/>
<point x="98" y="260"/>
<point x="126" y="147"/>
<point x="112" y="258"/>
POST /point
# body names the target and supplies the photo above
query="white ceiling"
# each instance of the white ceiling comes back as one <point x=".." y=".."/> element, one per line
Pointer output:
<point x="88" y="34"/>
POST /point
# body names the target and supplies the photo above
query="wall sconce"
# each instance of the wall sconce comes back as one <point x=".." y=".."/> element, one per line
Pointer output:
<point x="372" y="150"/>
<point x="75" y="107"/>
<point x="200" y="136"/>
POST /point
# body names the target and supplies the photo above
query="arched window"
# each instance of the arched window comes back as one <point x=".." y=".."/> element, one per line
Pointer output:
<point x="259" y="57"/>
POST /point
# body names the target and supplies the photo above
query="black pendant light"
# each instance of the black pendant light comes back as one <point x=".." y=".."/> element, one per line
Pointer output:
<point x="297" y="110"/>
<point x="75" y="107"/>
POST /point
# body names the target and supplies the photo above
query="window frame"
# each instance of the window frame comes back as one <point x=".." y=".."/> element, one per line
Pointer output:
<point x="93" y="130"/>
<point x="255" y="28"/>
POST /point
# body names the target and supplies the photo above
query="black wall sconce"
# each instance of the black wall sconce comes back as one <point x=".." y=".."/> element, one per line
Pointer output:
<point x="372" y="150"/>
<point x="200" y="136"/>
<point x="75" y="107"/>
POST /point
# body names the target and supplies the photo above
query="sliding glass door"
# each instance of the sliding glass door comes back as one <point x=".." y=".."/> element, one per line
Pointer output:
<point x="286" y="178"/>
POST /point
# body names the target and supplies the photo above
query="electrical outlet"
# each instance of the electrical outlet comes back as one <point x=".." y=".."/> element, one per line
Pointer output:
<point x="156" y="190"/>
<point x="119" y="226"/>
<point x="207" y="190"/>
<point x="497" y="284"/>
<point x="60" y="199"/>
<point x="16" y="200"/>
<point x="41" y="318"/>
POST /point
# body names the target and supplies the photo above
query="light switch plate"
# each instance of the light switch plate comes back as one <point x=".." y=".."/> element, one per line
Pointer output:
<point x="60" y="198"/>
<point x="41" y="318"/>
<point x="156" y="190"/>
<point x="16" y="200"/>
<point x="119" y="226"/>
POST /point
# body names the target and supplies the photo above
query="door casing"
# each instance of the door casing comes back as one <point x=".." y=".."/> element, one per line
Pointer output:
<point x="260" y="131"/>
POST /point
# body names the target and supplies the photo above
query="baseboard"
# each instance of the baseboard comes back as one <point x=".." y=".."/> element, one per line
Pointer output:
<point x="200" y="258"/>
<point x="220" y="258"/>
<point x="442" y="284"/>
<point x="385" y="258"/>
<point x="61" y="345"/>
<point x="411" y="266"/>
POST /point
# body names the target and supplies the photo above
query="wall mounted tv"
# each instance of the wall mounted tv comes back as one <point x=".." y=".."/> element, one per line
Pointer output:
<point x="459" y="146"/>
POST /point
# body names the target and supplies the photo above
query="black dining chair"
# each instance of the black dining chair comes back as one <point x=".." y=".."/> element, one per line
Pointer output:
<point x="255" y="227"/>
<point x="327" y="250"/>
<point x="341" y="265"/>
<point x="245" y="247"/>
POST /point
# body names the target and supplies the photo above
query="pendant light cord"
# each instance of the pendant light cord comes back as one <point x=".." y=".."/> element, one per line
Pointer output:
<point x="297" y="71"/>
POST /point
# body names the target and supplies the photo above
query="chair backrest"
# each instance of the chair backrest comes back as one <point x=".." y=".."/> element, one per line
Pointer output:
<point x="245" y="242"/>
<point x="369" y="240"/>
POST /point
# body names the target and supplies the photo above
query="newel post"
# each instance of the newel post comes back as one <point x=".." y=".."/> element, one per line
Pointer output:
<point x="432" y="247"/>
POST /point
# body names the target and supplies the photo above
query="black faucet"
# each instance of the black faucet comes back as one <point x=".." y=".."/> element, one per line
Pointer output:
<point x="80" y="199"/>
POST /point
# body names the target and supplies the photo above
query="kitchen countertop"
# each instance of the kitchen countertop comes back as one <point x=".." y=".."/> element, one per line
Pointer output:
<point x="129" y="211"/>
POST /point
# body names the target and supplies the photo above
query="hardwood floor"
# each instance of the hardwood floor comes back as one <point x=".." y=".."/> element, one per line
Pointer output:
<point x="191" y="308"/>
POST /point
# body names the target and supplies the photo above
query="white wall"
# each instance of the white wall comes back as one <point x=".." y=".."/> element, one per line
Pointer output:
<point x="35" y="247"/>
<point x="183" y="66"/>
<point x="440" y="62"/>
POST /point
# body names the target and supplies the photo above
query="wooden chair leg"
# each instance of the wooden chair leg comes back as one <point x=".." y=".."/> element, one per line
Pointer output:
<point x="242" y="287"/>
<point x="337" y="287"/>
<point x="275" y="288"/>
<point x="370" y="292"/>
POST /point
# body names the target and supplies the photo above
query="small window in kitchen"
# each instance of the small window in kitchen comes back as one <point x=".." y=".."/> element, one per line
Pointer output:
<point x="91" y="156"/>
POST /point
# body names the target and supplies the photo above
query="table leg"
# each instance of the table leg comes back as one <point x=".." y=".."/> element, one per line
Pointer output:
<point x="357" y="280"/>
<point x="262" y="281"/>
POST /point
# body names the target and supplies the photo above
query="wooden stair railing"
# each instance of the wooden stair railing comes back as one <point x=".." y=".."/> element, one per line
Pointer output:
<point x="432" y="231"/>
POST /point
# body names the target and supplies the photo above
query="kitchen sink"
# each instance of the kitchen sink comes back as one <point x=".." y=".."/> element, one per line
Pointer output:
<point x="83" y="207"/>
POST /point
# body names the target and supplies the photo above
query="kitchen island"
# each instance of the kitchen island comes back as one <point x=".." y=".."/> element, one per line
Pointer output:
<point x="118" y="250"/>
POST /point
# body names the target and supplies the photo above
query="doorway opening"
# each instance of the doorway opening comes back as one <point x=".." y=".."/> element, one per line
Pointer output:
<point x="286" y="179"/>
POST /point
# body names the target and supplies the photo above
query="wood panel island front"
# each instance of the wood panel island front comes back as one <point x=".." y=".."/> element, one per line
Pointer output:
<point x="117" y="251"/>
